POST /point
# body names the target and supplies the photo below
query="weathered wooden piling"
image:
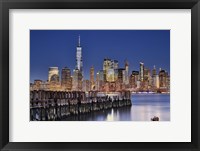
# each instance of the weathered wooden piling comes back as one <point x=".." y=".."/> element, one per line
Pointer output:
<point x="56" y="105"/>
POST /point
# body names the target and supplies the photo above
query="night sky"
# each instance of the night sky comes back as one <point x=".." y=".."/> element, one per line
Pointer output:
<point x="57" y="48"/>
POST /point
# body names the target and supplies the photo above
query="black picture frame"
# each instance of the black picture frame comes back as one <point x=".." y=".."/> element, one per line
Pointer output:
<point x="5" y="5"/>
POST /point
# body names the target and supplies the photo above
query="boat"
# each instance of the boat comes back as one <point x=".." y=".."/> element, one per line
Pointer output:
<point x="155" y="118"/>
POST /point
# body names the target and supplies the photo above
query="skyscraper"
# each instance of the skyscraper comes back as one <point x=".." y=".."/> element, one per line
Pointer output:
<point x="101" y="75"/>
<point x="134" y="78"/>
<point x="92" y="84"/>
<point x="79" y="61"/>
<point x="163" y="79"/>
<point x="121" y="77"/>
<point x="86" y="85"/>
<point x="53" y="74"/>
<point x="97" y="81"/>
<point x="66" y="80"/>
<point x="141" y="71"/>
<point x="110" y="68"/>
<point x="100" y="79"/>
<point x="168" y="83"/>
<point x="106" y="67"/>
<point x="77" y="80"/>
<point x="114" y="64"/>
<point x="154" y="71"/>
<point x="147" y="74"/>
<point x="126" y="73"/>
<point x="155" y="78"/>
<point x="110" y="75"/>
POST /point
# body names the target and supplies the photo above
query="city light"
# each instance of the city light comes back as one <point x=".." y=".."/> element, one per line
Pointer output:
<point x="91" y="86"/>
<point x="111" y="78"/>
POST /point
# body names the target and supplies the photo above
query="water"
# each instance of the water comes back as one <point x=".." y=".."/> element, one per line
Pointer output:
<point x="144" y="107"/>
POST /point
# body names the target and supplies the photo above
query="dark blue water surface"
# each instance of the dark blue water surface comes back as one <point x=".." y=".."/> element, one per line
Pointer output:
<point x="144" y="107"/>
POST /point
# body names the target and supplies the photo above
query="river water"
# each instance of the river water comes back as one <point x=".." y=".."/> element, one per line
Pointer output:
<point x="144" y="107"/>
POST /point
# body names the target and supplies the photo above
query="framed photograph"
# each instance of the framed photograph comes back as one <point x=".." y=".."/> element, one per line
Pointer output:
<point x="91" y="75"/>
<point x="100" y="83"/>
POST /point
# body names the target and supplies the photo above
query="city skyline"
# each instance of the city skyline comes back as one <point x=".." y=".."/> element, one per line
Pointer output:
<point x="99" y="71"/>
<point x="66" y="55"/>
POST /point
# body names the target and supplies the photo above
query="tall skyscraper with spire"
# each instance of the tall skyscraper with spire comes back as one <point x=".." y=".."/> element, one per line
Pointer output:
<point x="79" y="60"/>
<point x="141" y="71"/>
<point x="126" y="72"/>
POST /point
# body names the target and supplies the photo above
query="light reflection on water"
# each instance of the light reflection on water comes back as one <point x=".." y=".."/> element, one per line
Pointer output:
<point x="144" y="107"/>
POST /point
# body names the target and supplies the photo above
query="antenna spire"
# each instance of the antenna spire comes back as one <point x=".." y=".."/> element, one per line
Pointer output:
<point x="79" y="40"/>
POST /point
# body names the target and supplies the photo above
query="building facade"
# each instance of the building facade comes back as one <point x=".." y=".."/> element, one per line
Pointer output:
<point x="86" y="85"/>
<point x="126" y="76"/>
<point x="77" y="80"/>
<point x="66" y="79"/>
<point x="53" y="75"/>
<point x="92" y="82"/>
<point x="79" y="59"/>
<point x="134" y="78"/>
<point x="141" y="71"/>
<point x="121" y="74"/>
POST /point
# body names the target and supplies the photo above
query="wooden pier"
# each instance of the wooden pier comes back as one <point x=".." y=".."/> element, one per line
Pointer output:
<point x="57" y="105"/>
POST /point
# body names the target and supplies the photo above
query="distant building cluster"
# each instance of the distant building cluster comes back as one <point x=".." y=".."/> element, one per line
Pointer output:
<point x="110" y="79"/>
